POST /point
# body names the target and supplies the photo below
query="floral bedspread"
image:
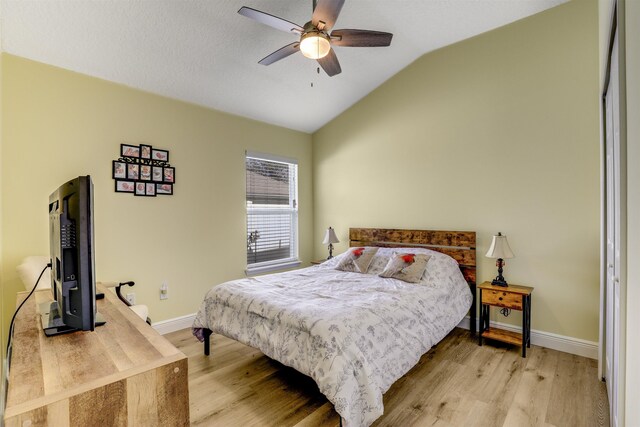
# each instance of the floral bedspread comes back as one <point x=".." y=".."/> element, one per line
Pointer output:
<point x="354" y="334"/>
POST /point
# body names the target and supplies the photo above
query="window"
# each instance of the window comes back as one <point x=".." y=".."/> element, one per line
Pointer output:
<point x="272" y="212"/>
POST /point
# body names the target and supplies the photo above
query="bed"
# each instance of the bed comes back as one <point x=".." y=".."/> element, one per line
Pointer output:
<point x="354" y="334"/>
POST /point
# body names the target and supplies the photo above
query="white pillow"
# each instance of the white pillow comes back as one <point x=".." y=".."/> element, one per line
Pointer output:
<point x="31" y="268"/>
<point x="406" y="266"/>
<point x="357" y="260"/>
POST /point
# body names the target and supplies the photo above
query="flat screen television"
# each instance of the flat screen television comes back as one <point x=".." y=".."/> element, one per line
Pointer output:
<point x="72" y="260"/>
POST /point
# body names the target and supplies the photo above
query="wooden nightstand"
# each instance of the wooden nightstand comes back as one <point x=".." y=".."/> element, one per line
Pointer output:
<point x="514" y="297"/>
<point x="320" y="261"/>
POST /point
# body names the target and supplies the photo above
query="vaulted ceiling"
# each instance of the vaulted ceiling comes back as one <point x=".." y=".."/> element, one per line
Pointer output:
<point x="205" y="53"/>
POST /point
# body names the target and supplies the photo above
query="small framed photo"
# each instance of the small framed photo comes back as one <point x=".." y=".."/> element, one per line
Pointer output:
<point x="169" y="174"/>
<point x="145" y="172"/>
<point x="160" y="155"/>
<point x="133" y="171"/>
<point x="145" y="151"/>
<point x="129" y="151"/>
<point x="164" y="188"/>
<point x="157" y="173"/>
<point x="141" y="189"/>
<point x="151" y="189"/>
<point x="119" y="170"/>
<point x="125" y="186"/>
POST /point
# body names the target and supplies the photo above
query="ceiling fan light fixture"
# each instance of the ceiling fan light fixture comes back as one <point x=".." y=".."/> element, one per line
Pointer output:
<point x="315" y="45"/>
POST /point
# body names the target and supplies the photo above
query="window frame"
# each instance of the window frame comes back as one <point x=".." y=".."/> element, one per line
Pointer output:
<point x="282" y="263"/>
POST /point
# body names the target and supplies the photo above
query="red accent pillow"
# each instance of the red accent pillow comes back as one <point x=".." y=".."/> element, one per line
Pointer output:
<point x="409" y="258"/>
<point x="357" y="252"/>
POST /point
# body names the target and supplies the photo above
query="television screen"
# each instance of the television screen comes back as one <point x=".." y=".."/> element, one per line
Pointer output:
<point x="72" y="259"/>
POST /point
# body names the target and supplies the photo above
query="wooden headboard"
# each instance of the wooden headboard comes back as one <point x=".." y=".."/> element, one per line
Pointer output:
<point x="459" y="245"/>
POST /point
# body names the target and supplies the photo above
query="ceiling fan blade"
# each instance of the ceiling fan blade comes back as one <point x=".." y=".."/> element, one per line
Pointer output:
<point x="281" y="53"/>
<point x="330" y="64"/>
<point x="270" y="20"/>
<point x="360" y="38"/>
<point x="326" y="11"/>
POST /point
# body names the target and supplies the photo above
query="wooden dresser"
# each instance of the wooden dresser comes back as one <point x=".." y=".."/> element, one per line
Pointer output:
<point x="123" y="373"/>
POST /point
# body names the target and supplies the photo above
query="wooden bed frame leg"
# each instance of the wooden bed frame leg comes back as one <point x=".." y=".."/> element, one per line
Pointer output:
<point x="207" y="334"/>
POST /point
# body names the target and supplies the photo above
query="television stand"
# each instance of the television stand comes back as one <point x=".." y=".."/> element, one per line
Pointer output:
<point x="52" y="323"/>
<point x="122" y="373"/>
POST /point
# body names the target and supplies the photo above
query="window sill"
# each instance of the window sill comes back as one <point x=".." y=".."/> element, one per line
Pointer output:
<point x="268" y="268"/>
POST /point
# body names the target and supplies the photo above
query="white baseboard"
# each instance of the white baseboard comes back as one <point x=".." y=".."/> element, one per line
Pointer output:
<point x="175" y="324"/>
<point x="571" y="345"/>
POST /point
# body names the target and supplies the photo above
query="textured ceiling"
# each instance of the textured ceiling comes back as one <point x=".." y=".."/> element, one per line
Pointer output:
<point x="204" y="52"/>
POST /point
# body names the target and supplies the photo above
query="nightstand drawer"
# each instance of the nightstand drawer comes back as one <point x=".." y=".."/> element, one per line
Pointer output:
<point x="502" y="299"/>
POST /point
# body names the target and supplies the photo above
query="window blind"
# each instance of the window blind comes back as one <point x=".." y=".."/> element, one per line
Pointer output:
<point x="272" y="211"/>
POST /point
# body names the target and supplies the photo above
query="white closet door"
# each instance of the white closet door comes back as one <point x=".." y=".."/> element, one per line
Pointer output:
<point x="612" y="306"/>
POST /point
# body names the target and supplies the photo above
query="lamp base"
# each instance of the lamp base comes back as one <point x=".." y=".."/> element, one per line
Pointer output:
<point x="498" y="282"/>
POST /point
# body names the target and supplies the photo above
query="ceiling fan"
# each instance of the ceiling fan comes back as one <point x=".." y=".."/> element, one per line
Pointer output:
<point x="316" y="37"/>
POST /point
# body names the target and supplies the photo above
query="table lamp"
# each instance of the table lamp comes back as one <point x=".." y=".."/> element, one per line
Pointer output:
<point x="330" y="238"/>
<point x="499" y="249"/>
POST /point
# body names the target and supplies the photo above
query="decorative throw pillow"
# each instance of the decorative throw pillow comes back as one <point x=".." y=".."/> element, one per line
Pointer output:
<point x="406" y="266"/>
<point x="357" y="260"/>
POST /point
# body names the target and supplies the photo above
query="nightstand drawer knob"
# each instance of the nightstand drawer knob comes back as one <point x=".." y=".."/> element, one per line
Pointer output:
<point x="500" y="298"/>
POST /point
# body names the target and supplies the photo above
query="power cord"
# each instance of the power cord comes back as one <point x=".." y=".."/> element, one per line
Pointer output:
<point x="20" y="306"/>
<point x="505" y="311"/>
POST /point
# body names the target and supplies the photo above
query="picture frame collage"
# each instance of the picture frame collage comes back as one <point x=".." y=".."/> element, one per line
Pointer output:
<point x="143" y="171"/>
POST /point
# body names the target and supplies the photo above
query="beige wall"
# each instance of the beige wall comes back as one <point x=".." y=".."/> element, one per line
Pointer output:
<point x="632" y="380"/>
<point x="59" y="124"/>
<point x="496" y="133"/>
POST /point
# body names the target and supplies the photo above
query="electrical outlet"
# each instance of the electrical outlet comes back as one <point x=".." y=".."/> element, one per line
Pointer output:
<point x="164" y="290"/>
<point x="131" y="297"/>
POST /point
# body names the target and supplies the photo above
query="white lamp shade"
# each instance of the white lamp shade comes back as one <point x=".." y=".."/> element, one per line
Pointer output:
<point x="330" y="237"/>
<point x="500" y="248"/>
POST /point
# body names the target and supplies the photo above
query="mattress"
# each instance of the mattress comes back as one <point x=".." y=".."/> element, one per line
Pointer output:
<point x="354" y="334"/>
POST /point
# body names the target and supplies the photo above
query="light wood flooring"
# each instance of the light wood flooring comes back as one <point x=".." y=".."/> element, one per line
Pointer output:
<point x="457" y="383"/>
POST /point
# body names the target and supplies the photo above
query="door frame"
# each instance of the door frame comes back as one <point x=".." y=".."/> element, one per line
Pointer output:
<point x="616" y="28"/>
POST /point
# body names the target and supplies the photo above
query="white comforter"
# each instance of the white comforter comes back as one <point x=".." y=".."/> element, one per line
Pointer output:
<point x="354" y="334"/>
